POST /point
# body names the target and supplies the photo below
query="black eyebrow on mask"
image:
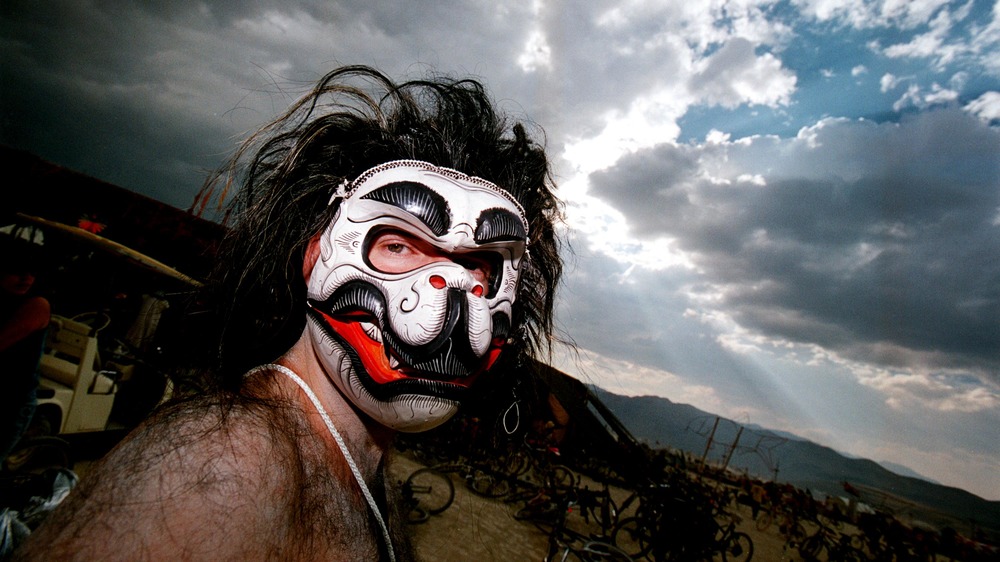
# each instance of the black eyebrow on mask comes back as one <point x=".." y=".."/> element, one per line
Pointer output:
<point x="499" y="225"/>
<point x="418" y="200"/>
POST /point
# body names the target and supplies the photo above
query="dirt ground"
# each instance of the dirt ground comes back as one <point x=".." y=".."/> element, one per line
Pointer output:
<point x="476" y="528"/>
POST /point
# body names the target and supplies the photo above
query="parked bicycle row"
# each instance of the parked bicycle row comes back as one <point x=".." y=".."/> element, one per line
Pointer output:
<point x="826" y="531"/>
<point x="678" y="520"/>
<point x="678" y="511"/>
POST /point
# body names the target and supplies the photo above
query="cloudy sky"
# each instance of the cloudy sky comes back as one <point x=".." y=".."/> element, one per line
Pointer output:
<point x="787" y="213"/>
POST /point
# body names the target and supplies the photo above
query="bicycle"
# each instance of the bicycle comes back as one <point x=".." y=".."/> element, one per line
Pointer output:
<point x="592" y="550"/>
<point x="536" y="460"/>
<point x="681" y="523"/>
<point x="427" y="491"/>
<point x="566" y="544"/>
<point x="733" y="545"/>
<point x="640" y="541"/>
<point x="520" y="471"/>
<point x="493" y="479"/>
<point x="635" y="533"/>
<point x="771" y="514"/>
<point x="838" y="546"/>
<point x="600" y="506"/>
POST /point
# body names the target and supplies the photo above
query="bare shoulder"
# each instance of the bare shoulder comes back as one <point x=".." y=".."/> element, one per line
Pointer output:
<point x="196" y="481"/>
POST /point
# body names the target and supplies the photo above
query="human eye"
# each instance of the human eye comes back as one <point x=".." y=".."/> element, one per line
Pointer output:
<point x="396" y="247"/>
<point x="396" y="252"/>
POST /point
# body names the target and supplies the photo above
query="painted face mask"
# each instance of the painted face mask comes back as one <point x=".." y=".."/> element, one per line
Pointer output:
<point x="410" y="299"/>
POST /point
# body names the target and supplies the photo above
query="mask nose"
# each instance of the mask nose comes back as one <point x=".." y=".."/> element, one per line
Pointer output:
<point x="464" y="282"/>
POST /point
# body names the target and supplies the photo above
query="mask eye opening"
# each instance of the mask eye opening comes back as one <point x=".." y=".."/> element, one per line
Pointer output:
<point x="492" y="262"/>
<point x="420" y="252"/>
<point x="488" y="263"/>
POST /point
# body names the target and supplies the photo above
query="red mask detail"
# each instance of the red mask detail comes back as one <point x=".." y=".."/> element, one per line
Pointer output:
<point x="372" y="355"/>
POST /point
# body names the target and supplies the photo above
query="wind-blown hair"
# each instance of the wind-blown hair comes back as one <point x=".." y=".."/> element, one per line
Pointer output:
<point x="354" y="119"/>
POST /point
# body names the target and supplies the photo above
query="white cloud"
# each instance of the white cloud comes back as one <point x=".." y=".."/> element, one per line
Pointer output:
<point x="537" y="53"/>
<point x="938" y="39"/>
<point x="701" y="25"/>
<point x="863" y="14"/>
<point x="986" y="106"/>
<point x="737" y="75"/>
<point x="650" y="120"/>
<point x="911" y="97"/>
<point x="929" y="45"/>
<point x="888" y="82"/>
<point x="917" y="390"/>
<point x="986" y="42"/>
<point x="632" y="379"/>
<point x="915" y="96"/>
<point x="959" y="80"/>
<point x="852" y="11"/>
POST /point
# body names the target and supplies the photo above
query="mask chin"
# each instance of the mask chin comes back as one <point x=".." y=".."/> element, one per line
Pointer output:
<point x="405" y="405"/>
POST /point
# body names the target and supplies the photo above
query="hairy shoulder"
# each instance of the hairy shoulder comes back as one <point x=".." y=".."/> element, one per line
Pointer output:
<point x="194" y="481"/>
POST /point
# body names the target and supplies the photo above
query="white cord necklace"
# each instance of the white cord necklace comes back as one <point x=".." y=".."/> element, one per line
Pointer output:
<point x="340" y="443"/>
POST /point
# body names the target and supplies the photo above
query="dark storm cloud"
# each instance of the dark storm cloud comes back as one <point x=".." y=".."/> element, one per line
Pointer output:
<point x="105" y="90"/>
<point x="879" y="241"/>
<point x="151" y="95"/>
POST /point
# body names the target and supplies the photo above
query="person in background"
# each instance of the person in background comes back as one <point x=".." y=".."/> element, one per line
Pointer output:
<point x="24" y="319"/>
<point x="393" y="255"/>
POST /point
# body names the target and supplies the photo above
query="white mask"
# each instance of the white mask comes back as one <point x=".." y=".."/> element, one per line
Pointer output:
<point x="403" y="339"/>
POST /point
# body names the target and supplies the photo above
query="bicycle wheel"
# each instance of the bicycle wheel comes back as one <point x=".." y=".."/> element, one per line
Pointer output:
<point x="739" y="549"/>
<point x="633" y="537"/>
<point x="561" y="476"/>
<point x="488" y="485"/>
<point x="812" y="547"/>
<point x="516" y="464"/>
<point x="432" y="490"/>
<point x="599" y="551"/>
<point x="795" y="534"/>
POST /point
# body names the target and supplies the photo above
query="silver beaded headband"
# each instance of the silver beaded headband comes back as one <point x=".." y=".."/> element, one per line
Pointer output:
<point x="346" y="189"/>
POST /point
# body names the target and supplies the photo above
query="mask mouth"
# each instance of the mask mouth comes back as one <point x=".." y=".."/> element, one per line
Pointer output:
<point x="357" y="312"/>
<point x="383" y="371"/>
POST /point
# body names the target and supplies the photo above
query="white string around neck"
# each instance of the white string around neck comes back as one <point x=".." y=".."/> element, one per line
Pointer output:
<point x="340" y="443"/>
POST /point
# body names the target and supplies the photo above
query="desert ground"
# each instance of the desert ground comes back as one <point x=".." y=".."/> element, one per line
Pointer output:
<point x="481" y="529"/>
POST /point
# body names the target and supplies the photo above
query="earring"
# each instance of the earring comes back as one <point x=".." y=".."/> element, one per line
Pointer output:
<point x="514" y="408"/>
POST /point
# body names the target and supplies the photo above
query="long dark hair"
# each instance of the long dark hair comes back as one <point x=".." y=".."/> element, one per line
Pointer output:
<point x="280" y="180"/>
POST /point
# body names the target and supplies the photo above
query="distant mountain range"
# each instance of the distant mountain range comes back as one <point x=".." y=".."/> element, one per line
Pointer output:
<point x="905" y="471"/>
<point x="788" y="458"/>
